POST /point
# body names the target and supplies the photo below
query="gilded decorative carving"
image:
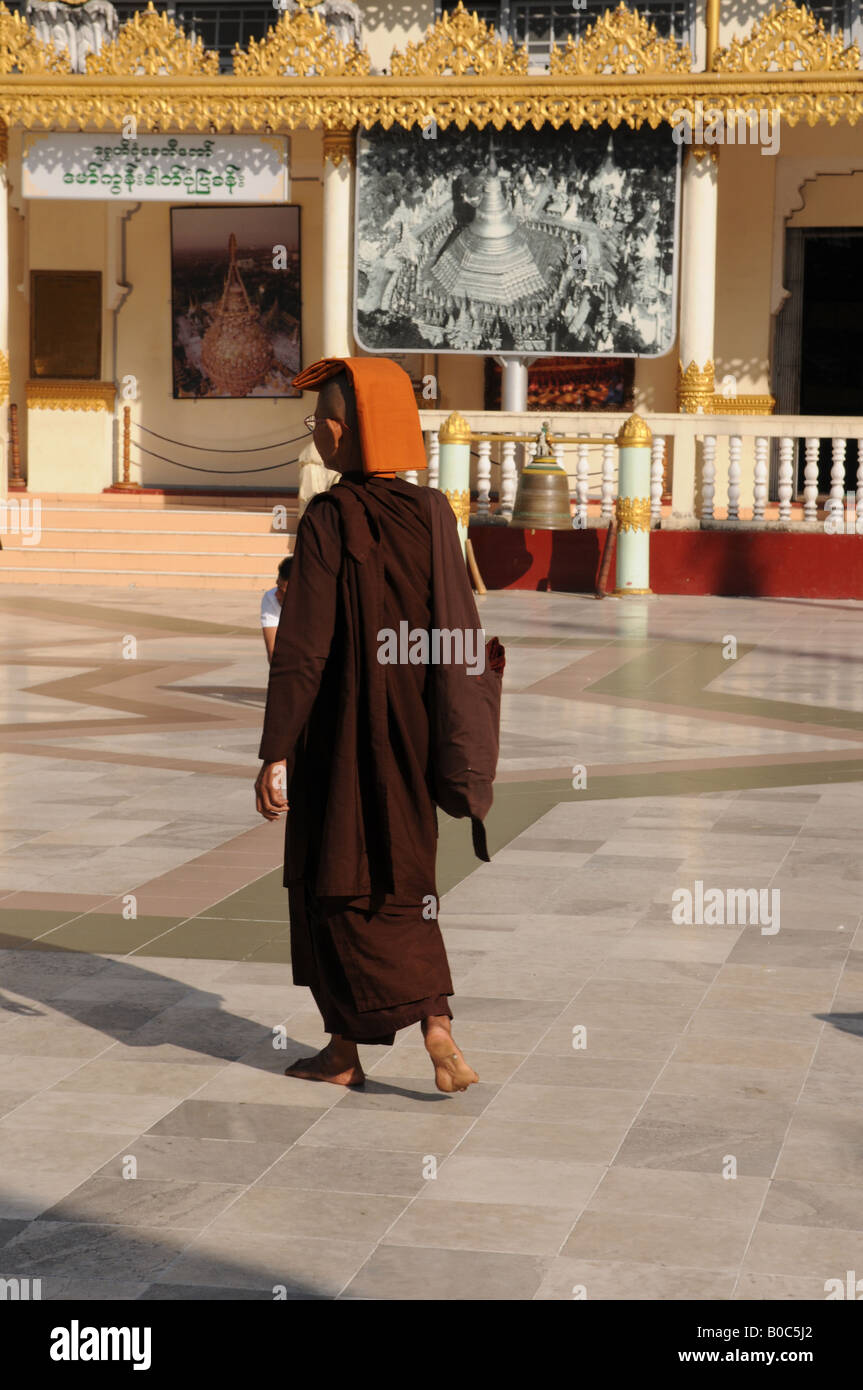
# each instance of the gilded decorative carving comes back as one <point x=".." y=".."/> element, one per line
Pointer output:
<point x="634" y="433"/>
<point x="22" y="52"/>
<point x="621" y="41"/>
<point x="788" y="39"/>
<point x="461" y="75"/>
<point x="743" y="405"/>
<point x="71" y="395"/>
<point x="56" y="103"/>
<point x="633" y="514"/>
<point x="338" y="145"/>
<point x="4" y="377"/>
<point x="695" y="388"/>
<point x="301" y="44"/>
<point x="455" y="430"/>
<point x="150" y="44"/>
<point x="460" y="503"/>
<point x="459" y="43"/>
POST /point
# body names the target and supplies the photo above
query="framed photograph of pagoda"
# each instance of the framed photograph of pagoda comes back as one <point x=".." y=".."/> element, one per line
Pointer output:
<point x="540" y="243"/>
<point x="235" y="282"/>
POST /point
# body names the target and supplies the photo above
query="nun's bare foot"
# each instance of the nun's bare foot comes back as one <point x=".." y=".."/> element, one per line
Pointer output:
<point x="451" y="1071"/>
<point x="338" y="1063"/>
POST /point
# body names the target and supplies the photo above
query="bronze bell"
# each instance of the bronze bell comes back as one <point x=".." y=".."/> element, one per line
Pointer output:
<point x="542" y="499"/>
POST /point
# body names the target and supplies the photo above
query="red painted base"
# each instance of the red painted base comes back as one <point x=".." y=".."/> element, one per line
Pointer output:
<point x="744" y="564"/>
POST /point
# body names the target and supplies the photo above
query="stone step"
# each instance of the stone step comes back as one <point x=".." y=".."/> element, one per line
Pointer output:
<point x="163" y="543"/>
<point x="120" y="561"/>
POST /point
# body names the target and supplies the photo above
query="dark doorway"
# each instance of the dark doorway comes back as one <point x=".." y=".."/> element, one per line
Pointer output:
<point x="821" y="373"/>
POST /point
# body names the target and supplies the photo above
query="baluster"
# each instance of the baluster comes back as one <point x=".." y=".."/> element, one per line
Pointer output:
<point x="810" y="481"/>
<point x="609" y="479"/>
<point x="759" y="501"/>
<point x="708" y="477"/>
<point x="735" y="448"/>
<point x="433" y="454"/>
<point x="411" y="476"/>
<point x="657" y="454"/>
<point x="483" y="479"/>
<point x="836" y="501"/>
<point x="786" y="477"/>
<point x="582" y="483"/>
<point x="508" y="479"/>
<point x="859" y="507"/>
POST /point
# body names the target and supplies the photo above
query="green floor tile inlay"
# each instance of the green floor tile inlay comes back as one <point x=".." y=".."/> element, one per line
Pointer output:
<point x="678" y="673"/>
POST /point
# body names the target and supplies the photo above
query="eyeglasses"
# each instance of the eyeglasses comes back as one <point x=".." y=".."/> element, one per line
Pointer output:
<point x="311" y="420"/>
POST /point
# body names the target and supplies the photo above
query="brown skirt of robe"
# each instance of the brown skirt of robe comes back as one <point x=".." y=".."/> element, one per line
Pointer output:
<point x="323" y="920"/>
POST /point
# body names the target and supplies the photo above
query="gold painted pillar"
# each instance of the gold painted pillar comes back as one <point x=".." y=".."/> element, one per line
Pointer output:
<point x="336" y="324"/>
<point x="695" y="382"/>
<point x="711" y="22"/>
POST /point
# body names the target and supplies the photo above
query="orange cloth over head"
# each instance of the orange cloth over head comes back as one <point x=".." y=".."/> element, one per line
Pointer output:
<point x="391" y="437"/>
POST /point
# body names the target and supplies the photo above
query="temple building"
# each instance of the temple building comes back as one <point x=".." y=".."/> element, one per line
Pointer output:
<point x="179" y="232"/>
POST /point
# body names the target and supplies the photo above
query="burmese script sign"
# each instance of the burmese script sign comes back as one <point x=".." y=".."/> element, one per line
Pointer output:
<point x="157" y="168"/>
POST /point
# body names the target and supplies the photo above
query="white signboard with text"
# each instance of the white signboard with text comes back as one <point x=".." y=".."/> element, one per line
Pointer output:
<point x="157" y="168"/>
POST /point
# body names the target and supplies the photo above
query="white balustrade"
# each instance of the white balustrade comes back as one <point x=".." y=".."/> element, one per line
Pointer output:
<point x="433" y="455"/>
<point x="810" y="480"/>
<point x="609" y="479"/>
<point x="483" y="479"/>
<point x="411" y="476"/>
<point x="746" y="481"/>
<point x="657" y="454"/>
<point x="582" y="483"/>
<point x="786" y="477"/>
<point x="735" y="449"/>
<point x="759" y="500"/>
<point x="508" y="479"/>
<point x="708" y="477"/>
<point x="836" y="500"/>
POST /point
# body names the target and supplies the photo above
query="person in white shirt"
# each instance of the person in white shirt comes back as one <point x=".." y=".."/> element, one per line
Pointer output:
<point x="271" y="606"/>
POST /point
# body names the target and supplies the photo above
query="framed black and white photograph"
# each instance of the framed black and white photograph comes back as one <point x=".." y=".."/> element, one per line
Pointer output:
<point x="548" y="243"/>
<point x="235" y="280"/>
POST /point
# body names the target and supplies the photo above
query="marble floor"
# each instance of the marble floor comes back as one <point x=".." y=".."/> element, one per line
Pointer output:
<point x="668" y="1109"/>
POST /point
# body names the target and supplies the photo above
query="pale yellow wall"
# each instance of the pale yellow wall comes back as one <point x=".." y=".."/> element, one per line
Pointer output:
<point x="744" y="258"/>
<point x="832" y="200"/>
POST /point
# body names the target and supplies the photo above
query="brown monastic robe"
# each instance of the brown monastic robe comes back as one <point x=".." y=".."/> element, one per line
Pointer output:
<point x="362" y="825"/>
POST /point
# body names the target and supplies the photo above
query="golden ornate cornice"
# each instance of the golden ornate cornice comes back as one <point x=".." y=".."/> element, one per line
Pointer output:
<point x="339" y="144"/>
<point x="620" y="42"/>
<point x="21" y="51"/>
<point x="461" y="75"/>
<point x="459" y="43"/>
<point x="150" y="44"/>
<point x="71" y="395"/>
<point x="5" y="377"/>
<point x="302" y="45"/>
<point x="695" y="388"/>
<point x="788" y="39"/>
